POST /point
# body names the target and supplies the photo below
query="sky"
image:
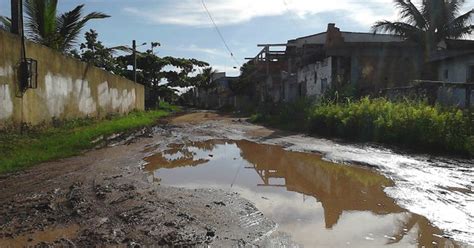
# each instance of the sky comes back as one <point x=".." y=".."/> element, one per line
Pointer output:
<point x="185" y="30"/>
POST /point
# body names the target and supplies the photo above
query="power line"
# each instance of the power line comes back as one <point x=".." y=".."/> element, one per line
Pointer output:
<point x="220" y="34"/>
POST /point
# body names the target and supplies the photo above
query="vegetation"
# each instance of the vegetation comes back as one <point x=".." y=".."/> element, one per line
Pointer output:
<point x="151" y="69"/>
<point x="94" y="52"/>
<point x="21" y="150"/>
<point x="205" y="80"/>
<point x="45" y="26"/>
<point x="246" y="84"/>
<point x="59" y="32"/>
<point x="407" y="124"/>
<point x="5" y="23"/>
<point x="430" y="23"/>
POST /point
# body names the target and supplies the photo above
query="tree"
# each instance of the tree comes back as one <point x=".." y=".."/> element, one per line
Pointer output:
<point x="95" y="53"/>
<point x="160" y="82"/>
<point x="45" y="26"/>
<point x="245" y="85"/>
<point x="430" y="23"/>
<point x="205" y="80"/>
<point x="151" y="69"/>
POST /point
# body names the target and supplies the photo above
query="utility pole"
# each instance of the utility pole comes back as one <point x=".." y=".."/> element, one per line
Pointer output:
<point x="16" y="12"/>
<point x="134" y="48"/>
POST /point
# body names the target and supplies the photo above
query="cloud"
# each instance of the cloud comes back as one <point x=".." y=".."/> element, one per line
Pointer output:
<point x="231" y="12"/>
<point x="209" y="51"/>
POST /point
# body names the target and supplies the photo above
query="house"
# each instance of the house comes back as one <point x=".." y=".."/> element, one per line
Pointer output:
<point x="454" y="61"/>
<point x="224" y="94"/>
<point x="216" y="97"/>
<point x="453" y="64"/>
<point x="310" y="65"/>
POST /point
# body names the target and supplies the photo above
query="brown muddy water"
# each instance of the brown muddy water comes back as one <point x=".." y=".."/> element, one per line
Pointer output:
<point x="319" y="203"/>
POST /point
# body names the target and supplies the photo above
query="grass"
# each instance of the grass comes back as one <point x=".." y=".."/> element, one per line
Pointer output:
<point x="408" y="124"/>
<point x="40" y="144"/>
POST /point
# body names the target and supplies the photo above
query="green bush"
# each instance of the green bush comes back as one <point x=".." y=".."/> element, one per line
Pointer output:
<point x="292" y="116"/>
<point x="407" y="123"/>
<point x="167" y="106"/>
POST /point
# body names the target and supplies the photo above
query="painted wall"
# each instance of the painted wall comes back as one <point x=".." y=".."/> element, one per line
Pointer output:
<point x="67" y="88"/>
<point x="313" y="76"/>
<point x="373" y="72"/>
<point x="456" y="69"/>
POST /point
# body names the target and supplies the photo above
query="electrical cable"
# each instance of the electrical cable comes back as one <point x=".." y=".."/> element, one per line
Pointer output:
<point x="219" y="33"/>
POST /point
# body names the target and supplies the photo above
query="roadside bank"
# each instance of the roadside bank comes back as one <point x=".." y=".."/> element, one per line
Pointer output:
<point x="33" y="145"/>
<point x="407" y="124"/>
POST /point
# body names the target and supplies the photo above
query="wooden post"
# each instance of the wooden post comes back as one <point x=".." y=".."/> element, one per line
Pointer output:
<point x="16" y="13"/>
<point x="134" y="55"/>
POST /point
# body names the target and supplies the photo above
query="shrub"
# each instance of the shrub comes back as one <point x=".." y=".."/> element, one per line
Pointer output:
<point x="406" y="123"/>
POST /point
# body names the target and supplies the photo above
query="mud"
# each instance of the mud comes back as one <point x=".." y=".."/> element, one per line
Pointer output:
<point x="104" y="198"/>
<point x="301" y="192"/>
<point x="115" y="196"/>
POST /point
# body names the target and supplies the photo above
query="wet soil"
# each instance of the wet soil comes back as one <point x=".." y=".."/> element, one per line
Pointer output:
<point x="303" y="193"/>
<point x="132" y="192"/>
<point x="104" y="198"/>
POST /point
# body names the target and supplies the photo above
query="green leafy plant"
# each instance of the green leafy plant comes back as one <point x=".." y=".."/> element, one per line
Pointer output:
<point x="411" y="124"/>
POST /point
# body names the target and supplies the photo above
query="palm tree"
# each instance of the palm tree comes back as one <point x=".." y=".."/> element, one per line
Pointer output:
<point x="207" y="78"/>
<point x="45" y="26"/>
<point x="430" y="23"/>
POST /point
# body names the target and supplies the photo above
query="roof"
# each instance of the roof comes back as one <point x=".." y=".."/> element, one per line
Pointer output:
<point x="460" y="44"/>
<point x="449" y="54"/>
<point x="320" y="38"/>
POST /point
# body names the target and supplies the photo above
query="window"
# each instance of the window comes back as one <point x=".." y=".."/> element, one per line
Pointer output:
<point x="446" y="74"/>
<point x="324" y="84"/>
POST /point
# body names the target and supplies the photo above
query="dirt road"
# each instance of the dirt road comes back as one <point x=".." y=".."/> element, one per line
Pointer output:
<point x="110" y="196"/>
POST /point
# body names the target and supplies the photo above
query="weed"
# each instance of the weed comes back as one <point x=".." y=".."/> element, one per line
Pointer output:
<point x="405" y="123"/>
<point x="66" y="138"/>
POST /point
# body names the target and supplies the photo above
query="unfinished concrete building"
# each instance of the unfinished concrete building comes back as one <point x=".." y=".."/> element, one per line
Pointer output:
<point x="310" y="65"/>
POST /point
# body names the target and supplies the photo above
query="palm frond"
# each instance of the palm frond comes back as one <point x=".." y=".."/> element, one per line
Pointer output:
<point x="41" y="20"/>
<point x="69" y="27"/>
<point x="411" y="13"/>
<point x="58" y="32"/>
<point x="5" y="23"/>
<point x="71" y="23"/>
<point x="453" y="7"/>
<point x="460" y="26"/>
<point x="398" y="28"/>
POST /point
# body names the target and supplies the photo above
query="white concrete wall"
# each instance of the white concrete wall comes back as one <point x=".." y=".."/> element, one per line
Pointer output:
<point x="59" y="90"/>
<point x="6" y="93"/>
<point x="313" y="74"/>
<point x="119" y="100"/>
<point x="457" y="69"/>
<point x="66" y="88"/>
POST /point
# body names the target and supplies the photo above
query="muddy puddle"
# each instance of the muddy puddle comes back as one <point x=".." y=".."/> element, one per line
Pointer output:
<point x="39" y="237"/>
<point x="319" y="203"/>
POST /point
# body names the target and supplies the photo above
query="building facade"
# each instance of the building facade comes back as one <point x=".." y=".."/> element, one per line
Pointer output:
<point x="311" y="65"/>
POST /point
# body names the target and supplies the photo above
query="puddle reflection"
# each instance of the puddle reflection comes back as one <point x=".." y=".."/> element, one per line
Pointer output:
<point x="321" y="204"/>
